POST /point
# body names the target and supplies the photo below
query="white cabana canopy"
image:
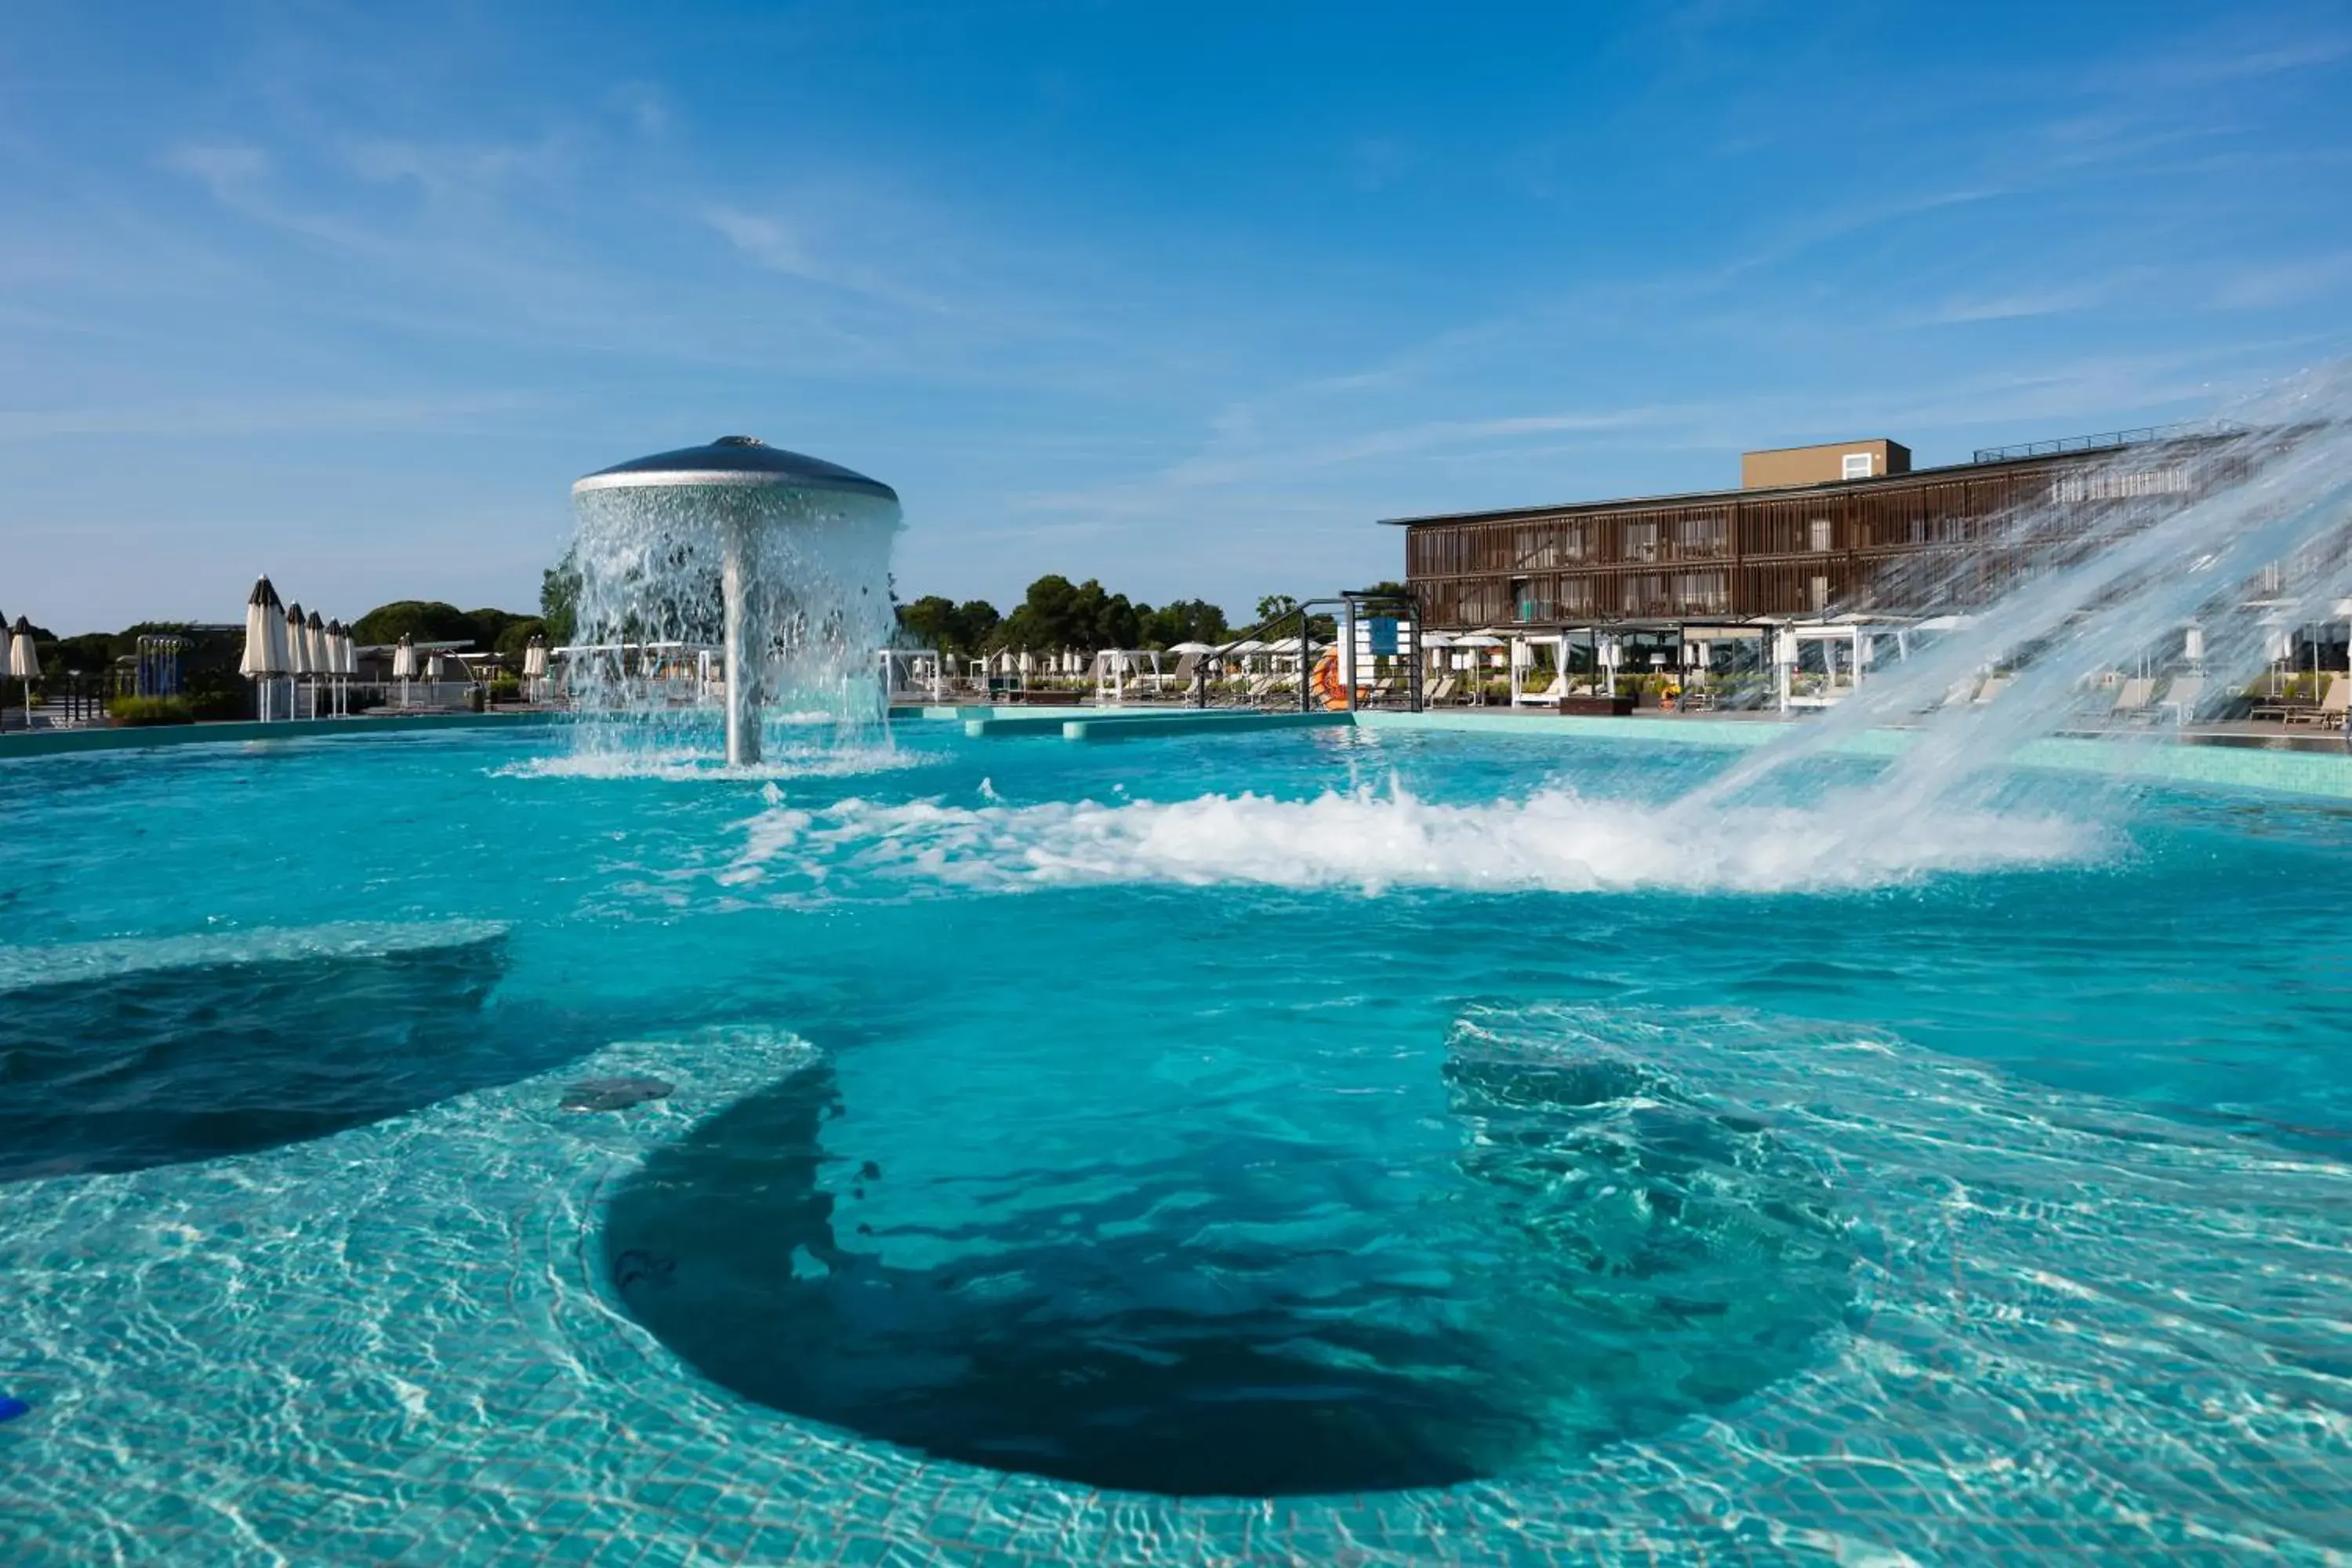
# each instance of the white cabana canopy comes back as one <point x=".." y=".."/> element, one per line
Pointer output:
<point x="1192" y="649"/>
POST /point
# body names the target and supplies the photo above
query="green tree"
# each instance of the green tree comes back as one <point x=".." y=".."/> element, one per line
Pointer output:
<point x="1185" y="620"/>
<point x="559" y="597"/>
<point x="1058" y="613"/>
<point x="939" y="622"/>
<point x="976" y="621"/>
<point x="929" y="622"/>
<point x="426" y="620"/>
<point x="1274" y="604"/>
<point x="490" y="626"/>
<point x="517" y="633"/>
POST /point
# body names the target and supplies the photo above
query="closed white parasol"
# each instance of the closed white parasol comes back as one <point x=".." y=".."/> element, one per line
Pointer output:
<point x="265" y="657"/>
<point x="24" y="662"/>
<point x="298" y="646"/>
<point x="298" y="661"/>
<point x="404" y="666"/>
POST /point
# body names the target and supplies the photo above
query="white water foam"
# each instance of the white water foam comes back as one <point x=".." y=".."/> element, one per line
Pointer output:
<point x="1553" y="840"/>
<point x="679" y="765"/>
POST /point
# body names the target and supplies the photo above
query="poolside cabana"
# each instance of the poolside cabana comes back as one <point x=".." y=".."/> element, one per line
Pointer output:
<point x="913" y="671"/>
<point x="1114" y="668"/>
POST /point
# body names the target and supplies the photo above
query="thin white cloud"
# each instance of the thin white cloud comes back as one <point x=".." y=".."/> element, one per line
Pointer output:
<point x="2054" y="299"/>
<point x="777" y="246"/>
<point x="226" y="168"/>
<point x="264" y="416"/>
<point x="644" y="105"/>
<point x="2288" y="283"/>
<point x="444" y="171"/>
<point x="2242" y="56"/>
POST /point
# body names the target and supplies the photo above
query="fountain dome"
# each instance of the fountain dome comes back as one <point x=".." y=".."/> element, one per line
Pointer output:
<point x="794" y="550"/>
<point x="734" y="460"/>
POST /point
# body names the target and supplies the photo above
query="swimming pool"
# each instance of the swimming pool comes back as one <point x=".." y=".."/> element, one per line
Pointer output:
<point x="1338" y="1145"/>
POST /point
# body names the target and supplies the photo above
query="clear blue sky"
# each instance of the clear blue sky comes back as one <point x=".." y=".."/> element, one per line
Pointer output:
<point x="1183" y="296"/>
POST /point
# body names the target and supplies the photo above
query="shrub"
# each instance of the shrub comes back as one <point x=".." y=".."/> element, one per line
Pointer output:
<point x="138" y="710"/>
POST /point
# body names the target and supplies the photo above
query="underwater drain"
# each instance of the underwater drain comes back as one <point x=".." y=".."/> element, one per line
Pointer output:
<point x="1560" y="1317"/>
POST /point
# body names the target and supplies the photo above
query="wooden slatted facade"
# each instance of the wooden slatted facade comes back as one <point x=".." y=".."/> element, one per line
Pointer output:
<point x="1913" y="544"/>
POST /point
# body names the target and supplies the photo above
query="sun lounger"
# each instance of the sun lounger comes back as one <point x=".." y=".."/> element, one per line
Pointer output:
<point x="2132" y="699"/>
<point x="2181" y="696"/>
<point x="1441" y="692"/>
<point x="1549" y="695"/>
<point x="1993" y="686"/>
<point x="2332" y="707"/>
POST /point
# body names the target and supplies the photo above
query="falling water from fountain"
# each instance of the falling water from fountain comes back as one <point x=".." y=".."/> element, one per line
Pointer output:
<point x="731" y="585"/>
<point x="2238" y="534"/>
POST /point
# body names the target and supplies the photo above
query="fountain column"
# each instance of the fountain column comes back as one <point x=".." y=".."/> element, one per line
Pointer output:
<point x="737" y="570"/>
<point x="803" y="548"/>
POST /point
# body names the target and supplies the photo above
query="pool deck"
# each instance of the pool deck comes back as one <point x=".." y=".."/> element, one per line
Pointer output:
<point x="49" y="743"/>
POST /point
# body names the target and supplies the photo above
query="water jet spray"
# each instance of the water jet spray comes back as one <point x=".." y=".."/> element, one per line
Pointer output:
<point x="783" y="558"/>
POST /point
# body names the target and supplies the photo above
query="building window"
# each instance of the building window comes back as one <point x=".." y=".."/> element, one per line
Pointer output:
<point x="1857" y="465"/>
<point x="1641" y="541"/>
<point x="1699" y="536"/>
<point x="1701" y="593"/>
<point x="1821" y="594"/>
<point x="1817" y="534"/>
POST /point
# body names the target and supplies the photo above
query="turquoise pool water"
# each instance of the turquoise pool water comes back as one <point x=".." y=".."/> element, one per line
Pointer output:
<point x="1333" y="1146"/>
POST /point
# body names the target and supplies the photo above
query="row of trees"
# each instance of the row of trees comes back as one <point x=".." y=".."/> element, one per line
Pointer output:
<point x="430" y="620"/>
<point x="1058" y="613"/>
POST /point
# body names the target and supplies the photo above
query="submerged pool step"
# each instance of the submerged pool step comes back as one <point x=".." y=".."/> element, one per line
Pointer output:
<point x="1055" y="720"/>
<point x="1101" y="729"/>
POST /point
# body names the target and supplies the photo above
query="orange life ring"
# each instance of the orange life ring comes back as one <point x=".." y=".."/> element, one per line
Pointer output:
<point x="1326" y="682"/>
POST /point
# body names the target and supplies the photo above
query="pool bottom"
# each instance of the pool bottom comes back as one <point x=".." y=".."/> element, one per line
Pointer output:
<point x="1243" y="1319"/>
<point x="2083" y="1333"/>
